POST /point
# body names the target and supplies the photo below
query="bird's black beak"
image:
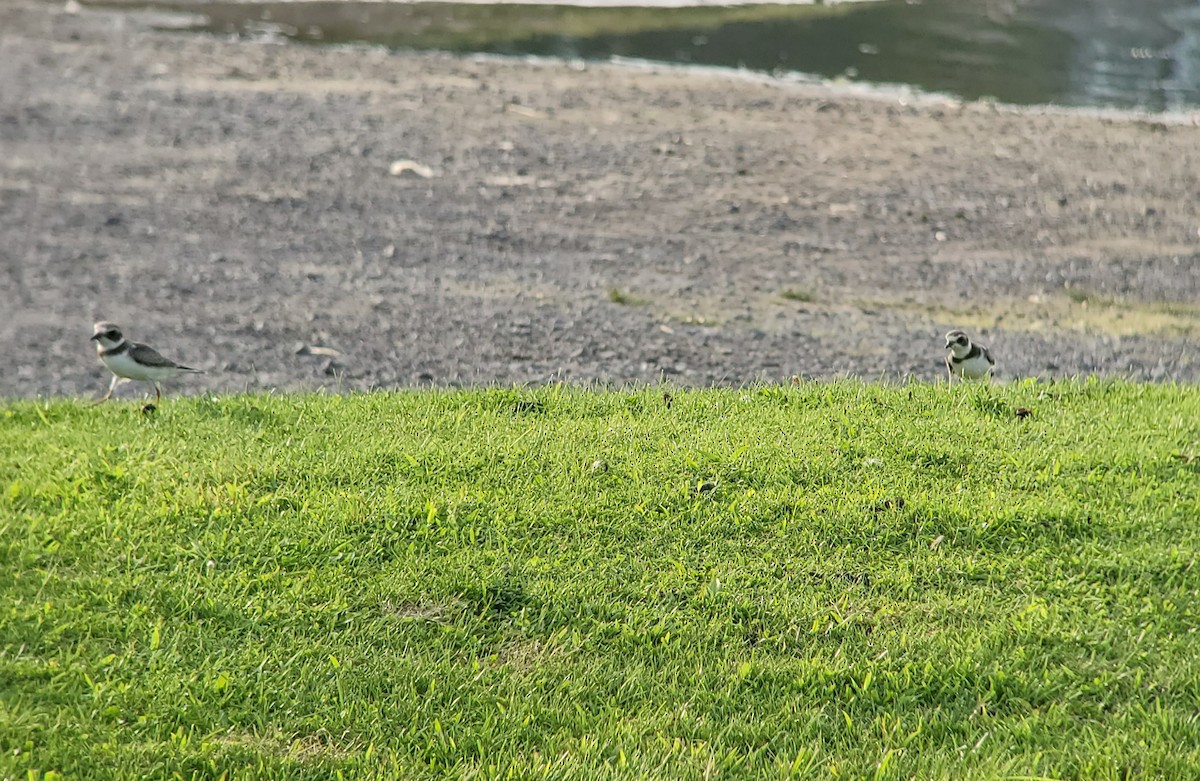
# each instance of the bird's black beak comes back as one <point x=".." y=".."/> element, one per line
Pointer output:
<point x="94" y="337"/>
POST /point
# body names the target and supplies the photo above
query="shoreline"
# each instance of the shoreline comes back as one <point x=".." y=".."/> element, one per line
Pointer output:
<point x="576" y="3"/>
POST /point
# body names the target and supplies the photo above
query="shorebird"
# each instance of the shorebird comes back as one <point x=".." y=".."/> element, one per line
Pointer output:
<point x="132" y="360"/>
<point x="969" y="360"/>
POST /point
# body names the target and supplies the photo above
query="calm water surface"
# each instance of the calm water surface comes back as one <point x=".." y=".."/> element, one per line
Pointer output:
<point x="1142" y="54"/>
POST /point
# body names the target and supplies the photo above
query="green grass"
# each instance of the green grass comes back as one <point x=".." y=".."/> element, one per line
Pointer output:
<point x="625" y="299"/>
<point x="438" y="25"/>
<point x="841" y="581"/>
<point x="796" y="294"/>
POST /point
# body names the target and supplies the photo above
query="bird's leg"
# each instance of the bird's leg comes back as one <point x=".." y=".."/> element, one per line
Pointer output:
<point x="112" y="386"/>
<point x="157" y="394"/>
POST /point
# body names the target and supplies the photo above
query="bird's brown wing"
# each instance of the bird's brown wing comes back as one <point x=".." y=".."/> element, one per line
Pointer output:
<point x="148" y="356"/>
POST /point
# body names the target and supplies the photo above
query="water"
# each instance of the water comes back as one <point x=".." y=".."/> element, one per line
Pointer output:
<point x="1138" y="54"/>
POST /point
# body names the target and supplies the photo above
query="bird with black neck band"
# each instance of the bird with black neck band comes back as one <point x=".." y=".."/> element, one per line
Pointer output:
<point x="967" y="359"/>
<point x="133" y="360"/>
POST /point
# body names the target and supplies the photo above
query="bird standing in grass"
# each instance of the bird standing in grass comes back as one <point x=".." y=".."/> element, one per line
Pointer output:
<point x="132" y="360"/>
<point x="969" y="360"/>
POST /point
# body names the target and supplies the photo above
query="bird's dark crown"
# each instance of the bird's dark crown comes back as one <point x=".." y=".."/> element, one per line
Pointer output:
<point x="957" y="337"/>
<point x="108" y="331"/>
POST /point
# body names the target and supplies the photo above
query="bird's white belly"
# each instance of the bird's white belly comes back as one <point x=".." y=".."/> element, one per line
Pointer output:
<point x="974" y="368"/>
<point x="123" y="365"/>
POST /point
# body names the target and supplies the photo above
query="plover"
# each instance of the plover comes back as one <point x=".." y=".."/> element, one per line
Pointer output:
<point x="132" y="360"/>
<point x="969" y="360"/>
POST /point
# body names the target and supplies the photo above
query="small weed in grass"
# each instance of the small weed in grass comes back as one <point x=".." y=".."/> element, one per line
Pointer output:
<point x="1078" y="295"/>
<point x="624" y="299"/>
<point x="795" y="294"/>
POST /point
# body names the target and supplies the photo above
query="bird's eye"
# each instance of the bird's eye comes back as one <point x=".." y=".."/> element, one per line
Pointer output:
<point x="113" y="334"/>
<point x="962" y="340"/>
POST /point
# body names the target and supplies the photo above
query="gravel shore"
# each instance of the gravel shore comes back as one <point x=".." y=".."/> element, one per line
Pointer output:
<point x="301" y="217"/>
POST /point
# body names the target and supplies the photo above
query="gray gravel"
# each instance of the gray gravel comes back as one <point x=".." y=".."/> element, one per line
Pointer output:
<point x="231" y="202"/>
